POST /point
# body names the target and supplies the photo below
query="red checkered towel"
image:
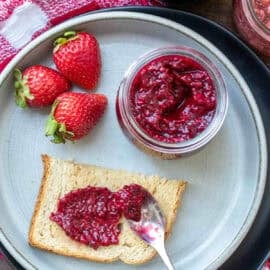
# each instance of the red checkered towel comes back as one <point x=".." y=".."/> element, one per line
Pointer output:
<point x="23" y="20"/>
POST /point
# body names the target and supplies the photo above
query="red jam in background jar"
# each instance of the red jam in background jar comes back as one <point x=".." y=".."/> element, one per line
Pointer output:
<point x="252" y="18"/>
<point x="173" y="98"/>
<point x="262" y="11"/>
<point x="91" y="215"/>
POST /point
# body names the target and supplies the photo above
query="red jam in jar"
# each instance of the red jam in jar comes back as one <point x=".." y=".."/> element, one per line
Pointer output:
<point x="173" y="98"/>
<point x="91" y="215"/>
<point x="252" y="18"/>
<point x="171" y="102"/>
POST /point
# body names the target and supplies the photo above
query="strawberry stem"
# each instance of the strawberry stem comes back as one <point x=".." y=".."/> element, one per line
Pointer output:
<point x="22" y="91"/>
<point x="56" y="129"/>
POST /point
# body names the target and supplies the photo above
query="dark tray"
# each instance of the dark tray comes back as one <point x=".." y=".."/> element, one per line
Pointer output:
<point x="255" y="248"/>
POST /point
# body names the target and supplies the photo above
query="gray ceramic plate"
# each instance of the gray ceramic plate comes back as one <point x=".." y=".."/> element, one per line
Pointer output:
<point x="226" y="179"/>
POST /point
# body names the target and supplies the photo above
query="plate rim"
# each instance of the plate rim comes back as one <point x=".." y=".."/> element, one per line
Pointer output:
<point x="108" y="15"/>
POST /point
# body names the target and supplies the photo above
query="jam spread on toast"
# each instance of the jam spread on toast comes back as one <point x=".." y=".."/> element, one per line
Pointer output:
<point x="92" y="215"/>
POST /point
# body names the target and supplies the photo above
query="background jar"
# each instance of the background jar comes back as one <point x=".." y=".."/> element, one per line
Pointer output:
<point x="252" y="19"/>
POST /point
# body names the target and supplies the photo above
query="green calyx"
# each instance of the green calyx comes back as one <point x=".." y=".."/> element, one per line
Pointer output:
<point x="57" y="130"/>
<point x="22" y="91"/>
<point x="67" y="36"/>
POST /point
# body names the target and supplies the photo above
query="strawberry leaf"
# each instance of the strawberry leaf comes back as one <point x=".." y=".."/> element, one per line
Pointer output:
<point x="67" y="36"/>
<point x="22" y="91"/>
<point x="51" y="126"/>
<point x="17" y="74"/>
<point x="70" y="34"/>
<point x="57" y="130"/>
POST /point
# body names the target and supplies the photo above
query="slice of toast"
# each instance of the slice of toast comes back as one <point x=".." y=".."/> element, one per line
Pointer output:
<point x="60" y="177"/>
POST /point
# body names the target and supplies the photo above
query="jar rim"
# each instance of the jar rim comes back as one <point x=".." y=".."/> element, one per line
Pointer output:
<point x="180" y="147"/>
<point x="256" y="22"/>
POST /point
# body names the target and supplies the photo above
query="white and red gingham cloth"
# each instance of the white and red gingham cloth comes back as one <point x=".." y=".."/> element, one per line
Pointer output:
<point x="23" y="20"/>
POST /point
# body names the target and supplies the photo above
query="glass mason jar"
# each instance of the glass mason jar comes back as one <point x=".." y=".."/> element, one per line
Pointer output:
<point x="138" y="135"/>
<point x="252" y="19"/>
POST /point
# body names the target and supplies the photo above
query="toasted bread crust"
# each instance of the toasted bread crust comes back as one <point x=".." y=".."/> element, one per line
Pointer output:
<point x="46" y="167"/>
<point x="65" y="252"/>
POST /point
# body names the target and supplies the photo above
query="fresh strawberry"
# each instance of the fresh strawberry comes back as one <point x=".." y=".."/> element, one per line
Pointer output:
<point x="73" y="115"/>
<point x="77" y="56"/>
<point x="38" y="86"/>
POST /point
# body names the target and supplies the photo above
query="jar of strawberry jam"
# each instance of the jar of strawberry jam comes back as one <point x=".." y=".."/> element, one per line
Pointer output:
<point x="252" y="19"/>
<point x="172" y="101"/>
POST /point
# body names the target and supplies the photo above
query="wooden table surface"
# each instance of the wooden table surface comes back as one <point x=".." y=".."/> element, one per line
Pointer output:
<point x="219" y="11"/>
